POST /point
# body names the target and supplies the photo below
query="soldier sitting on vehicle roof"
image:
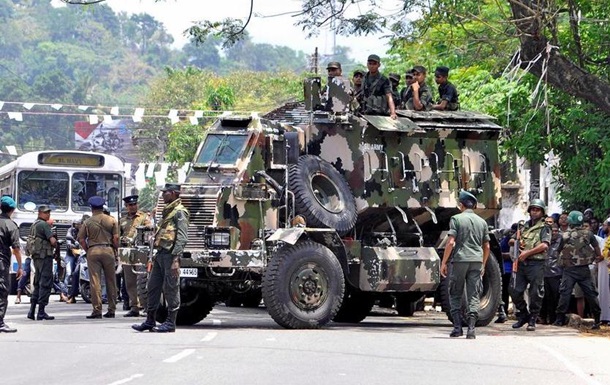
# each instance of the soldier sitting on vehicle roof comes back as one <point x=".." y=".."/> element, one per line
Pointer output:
<point x="448" y="95"/>
<point x="421" y="98"/>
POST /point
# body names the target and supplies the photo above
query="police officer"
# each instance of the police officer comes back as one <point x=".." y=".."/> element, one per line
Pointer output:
<point x="534" y="242"/>
<point x="129" y="223"/>
<point x="170" y="239"/>
<point x="42" y="257"/>
<point x="578" y="249"/>
<point x="468" y="242"/>
<point x="9" y="239"/>
<point x="99" y="237"/>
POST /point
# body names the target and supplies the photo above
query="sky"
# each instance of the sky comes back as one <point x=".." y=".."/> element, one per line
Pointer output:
<point x="271" y="22"/>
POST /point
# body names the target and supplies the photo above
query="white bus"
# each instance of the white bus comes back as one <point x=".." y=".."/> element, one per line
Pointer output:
<point x="63" y="180"/>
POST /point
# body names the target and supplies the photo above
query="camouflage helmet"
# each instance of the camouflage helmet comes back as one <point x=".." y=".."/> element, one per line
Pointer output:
<point x="575" y="218"/>
<point x="537" y="203"/>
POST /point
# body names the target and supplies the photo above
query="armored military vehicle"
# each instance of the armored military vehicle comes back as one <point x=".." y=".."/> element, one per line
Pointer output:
<point x="323" y="211"/>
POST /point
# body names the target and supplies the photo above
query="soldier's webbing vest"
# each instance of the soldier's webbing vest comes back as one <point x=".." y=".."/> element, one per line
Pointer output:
<point x="36" y="246"/>
<point x="577" y="249"/>
<point x="166" y="233"/>
<point x="531" y="239"/>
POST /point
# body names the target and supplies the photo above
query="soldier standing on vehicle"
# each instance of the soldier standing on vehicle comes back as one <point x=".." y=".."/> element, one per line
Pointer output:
<point x="9" y="240"/>
<point x="99" y="238"/>
<point x="578" y="249"/>
<point x="377" y="90"/>
<point x="42" y="252"/>
<point x="468" y="242"/>
<point x="129" y="223"/>
<point x="529" y="266"/>
<point x="170" y="240"/>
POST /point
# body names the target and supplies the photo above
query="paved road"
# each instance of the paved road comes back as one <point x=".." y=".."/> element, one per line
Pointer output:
<point x="235" y="345"/>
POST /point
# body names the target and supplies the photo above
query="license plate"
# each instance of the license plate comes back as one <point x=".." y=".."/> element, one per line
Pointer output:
<point x="188" y="272"/>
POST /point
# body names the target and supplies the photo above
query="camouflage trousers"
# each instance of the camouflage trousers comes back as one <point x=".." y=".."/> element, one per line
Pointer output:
<point x="161" y="280"/>
<point x="530" y="272"/>
<point x="465" y="275"/>
<point x="582" y="276"/>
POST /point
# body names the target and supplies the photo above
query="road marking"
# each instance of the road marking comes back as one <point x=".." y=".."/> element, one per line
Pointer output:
<point x="216" y="322"/>
<point x="179" y="356"/>
<point x="209" y="337"/>
<point x="271" y="339"/>
<point x="570" y="365"/>
<point x="126" y="380"/>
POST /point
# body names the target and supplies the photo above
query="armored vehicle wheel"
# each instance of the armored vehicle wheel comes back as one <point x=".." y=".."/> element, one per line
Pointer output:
<point x="141" y="286"/>
<point x="194" y="306"/>
<point x="85" y="291"/>
<point x="322" y="195"/>
<point x="490" y="296"/>
<point x="355" y="307"/>
<point x="406" y="305"/>
<point x="303" y="286"/>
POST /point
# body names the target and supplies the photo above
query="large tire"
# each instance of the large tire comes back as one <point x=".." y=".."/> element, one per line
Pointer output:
<point x="194" y="307"/>
<point x="490" y="297"/>
<point x="142" y="288"/>
<point x="322" y="196"/>
<point x="303" y="286"/>
<point x="355" y="307"/>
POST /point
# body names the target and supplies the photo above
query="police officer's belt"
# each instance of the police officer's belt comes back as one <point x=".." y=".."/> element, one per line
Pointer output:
<point x="101" y="245"/>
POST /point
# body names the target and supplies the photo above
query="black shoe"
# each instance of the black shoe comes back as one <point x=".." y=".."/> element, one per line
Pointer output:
<point x="31" y="316"/>
<point x="132" y="313"/>
<point x="164" y="328"/>
<point x="6" y="329"/>
<point x="144" y="326"/>
<point x="44" y="317"/>
<point x="109" y="315"/>
<point x="531" y="325"/>
<point x="94" y="316"/>
<point x="501" y="319"/>
<point x="520" y="322"/>
<point x="594" y="327"/>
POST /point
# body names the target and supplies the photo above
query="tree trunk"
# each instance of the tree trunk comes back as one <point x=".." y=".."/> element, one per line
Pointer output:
<point x="562" y="73"/>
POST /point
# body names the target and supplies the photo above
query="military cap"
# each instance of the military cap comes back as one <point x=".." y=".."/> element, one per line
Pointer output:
<point x="96" y="201"/>
<point x="466" y="196"/>
<point x="171" y="187"/>
<point x="131" y="199"/>
<point x="44" y="209"/>
<point x="8" y="202"/>
<point x="334" y="64"/>
<point x="419" y="70"/>
<point x="395" y="77"/>
<point x="374" y="57"/>
<point x="409" y="73"/>
<point x="442" y="70"/>
<point x="575" y="218"/>
<point x="361" y="72"/>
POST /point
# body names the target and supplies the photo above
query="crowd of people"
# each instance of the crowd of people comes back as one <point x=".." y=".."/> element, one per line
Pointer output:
<point x="376" y="94"/>
<point x="560" y="261"/>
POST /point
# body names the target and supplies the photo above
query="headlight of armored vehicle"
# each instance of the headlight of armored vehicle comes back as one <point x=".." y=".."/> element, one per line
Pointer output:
<point x="220" y="239"/>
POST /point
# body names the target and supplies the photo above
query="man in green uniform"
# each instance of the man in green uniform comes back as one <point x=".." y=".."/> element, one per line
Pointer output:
<point x="468" y="248"/>
<point x="395" y="82"/>
<point x="170" y="239"/>
<point x="578" y="249"/>
<point x="99" y="237"/>
<point x="421" y="97"/>
<point x="129" y="223"/>
<point x="447" y="93"/>
<point x="9" y="240"/>
<point x="529" y="266"/>
<point x="42" y="250"/>
<point x="377" y="90"/>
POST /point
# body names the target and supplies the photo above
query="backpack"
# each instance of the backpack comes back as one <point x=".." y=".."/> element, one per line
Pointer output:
<point x="30" y="242"/>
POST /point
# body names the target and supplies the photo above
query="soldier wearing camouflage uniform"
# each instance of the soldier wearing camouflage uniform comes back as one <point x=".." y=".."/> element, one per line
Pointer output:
<point x="377" y="90"/>
<point x="170" y="240"/>
<point x="529" y="267"/>
<point x="420" y="98"/>
<point x="42" y="257"/>
<point x="468" y="242"/>
<point x="578" y="249"/>
<point x="128" y="227"/>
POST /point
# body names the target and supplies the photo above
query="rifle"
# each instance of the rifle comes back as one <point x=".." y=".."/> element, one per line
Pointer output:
<point x="516" y="252"/>
<point x="57" y="252"/>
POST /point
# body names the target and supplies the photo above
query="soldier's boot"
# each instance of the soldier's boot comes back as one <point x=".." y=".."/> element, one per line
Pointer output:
<point x="560" y="320"/>
<point x="149" y="324"/>
<point x="470" y="334"/>
<point x="596" y="325"/>
<point x="42" y="315"/>
<point x="501" y="315"/>
<point x="522" y="320"/>
<point x="457" y="326"/>
<point x="32" y="310"/>
<point x="169" y="326"/>
<point x="531" y="324"/>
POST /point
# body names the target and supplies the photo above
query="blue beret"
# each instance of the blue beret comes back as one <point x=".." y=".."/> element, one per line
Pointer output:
<point x="466" y="196"/>
<point x="96" y="201"/>
<point x="8" y="201"/>
<point x="131" y="199"/>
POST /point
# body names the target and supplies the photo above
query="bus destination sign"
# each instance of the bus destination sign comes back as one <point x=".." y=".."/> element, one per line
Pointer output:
<point x="71" y="159"/>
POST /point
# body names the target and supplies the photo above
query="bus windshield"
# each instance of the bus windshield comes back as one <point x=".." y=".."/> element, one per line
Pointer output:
<point x="221" y="149"/>
<point x="43" y="188"/>
<point x="87" y="184"/>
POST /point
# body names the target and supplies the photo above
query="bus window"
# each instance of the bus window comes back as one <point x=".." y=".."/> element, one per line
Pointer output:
<point x="87" y="184"/>
<point x="43" y="188"/>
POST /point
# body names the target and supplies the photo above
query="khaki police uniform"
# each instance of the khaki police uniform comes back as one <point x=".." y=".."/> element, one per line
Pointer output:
<point x="99" y="231"/>
<point x="128" y="225"/>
